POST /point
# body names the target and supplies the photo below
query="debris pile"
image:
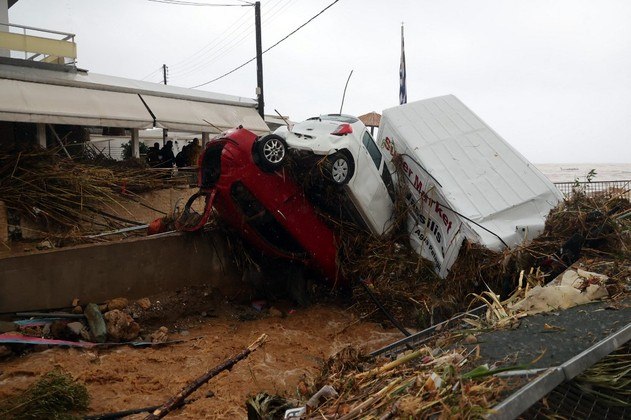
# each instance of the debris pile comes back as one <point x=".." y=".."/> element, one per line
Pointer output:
<point x="66" y="198"/>
<point x="596" y="229"/>
<point x="115" y="322"/>
<point x="421" y="383"/>
<point x="444" y="380"/>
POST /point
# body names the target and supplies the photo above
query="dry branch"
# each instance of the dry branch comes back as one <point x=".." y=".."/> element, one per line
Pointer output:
<point x="189" y="389"/>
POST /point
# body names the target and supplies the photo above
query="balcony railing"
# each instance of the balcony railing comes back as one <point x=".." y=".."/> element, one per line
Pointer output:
<point x="37" y="44"/>
<point x="620" y="188"/>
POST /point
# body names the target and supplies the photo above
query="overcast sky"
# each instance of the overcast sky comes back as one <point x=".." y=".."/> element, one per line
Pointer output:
<point x="552" y="77"/>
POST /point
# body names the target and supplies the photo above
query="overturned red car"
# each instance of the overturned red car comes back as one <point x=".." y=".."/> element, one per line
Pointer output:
<point x="241" y="179"/>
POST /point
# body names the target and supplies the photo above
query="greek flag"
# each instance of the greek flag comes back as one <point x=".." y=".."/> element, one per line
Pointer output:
<point x="403" y="95"/>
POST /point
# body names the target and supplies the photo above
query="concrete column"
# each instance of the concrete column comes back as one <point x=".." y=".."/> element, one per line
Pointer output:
<point x="135" y="143"/>
<point x="4" y="19"/>
<point x="205" y="138"/>
<point x="41" y="135"/>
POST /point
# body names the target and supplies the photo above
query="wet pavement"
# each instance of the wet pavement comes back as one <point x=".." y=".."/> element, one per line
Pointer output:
<point x="568" y="333"/>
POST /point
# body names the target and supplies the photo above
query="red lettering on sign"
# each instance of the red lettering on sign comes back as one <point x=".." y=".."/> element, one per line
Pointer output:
<point x="418" y="185"/>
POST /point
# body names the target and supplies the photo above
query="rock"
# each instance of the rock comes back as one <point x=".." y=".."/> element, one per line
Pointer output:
<point x="161" y="335"/>
<point x="76" y="327"/>
<point x="275" y="312"/>
<point x="77" y="310"/>
<point x="117" y="304"/>
<point x="98" y="330"/>
<point x="470" y="339"/>
<point x="85" y="335"/>
<point x="59" y="330"/>
<point x="121" y="326"/>
<point x="144" y="303"/>
<point x="72" y="331"/>
<point x="8" y="326"/>
<point x="303" y="388"/>
<point x="44" y="245"/>
<point x="5" y="351"/>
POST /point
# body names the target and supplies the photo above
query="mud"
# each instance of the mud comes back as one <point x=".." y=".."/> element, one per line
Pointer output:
<point x="124" y="378"/>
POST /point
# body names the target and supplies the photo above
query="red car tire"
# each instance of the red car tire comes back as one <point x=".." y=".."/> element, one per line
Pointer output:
<point x="271" y="152"/>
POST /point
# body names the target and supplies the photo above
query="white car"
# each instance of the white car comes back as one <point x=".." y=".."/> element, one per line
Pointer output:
<point x="352" y="160"/>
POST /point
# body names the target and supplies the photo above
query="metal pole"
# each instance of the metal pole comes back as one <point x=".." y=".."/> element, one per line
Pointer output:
<point x="345" y="86"/>
<point x="259" y="60"/>
<point x="164" y="73"/>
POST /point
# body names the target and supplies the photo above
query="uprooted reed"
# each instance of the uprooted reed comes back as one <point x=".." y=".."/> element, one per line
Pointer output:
<point x="64" y="196"/>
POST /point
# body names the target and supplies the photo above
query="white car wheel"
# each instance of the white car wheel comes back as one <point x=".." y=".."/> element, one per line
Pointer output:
<point x="340" y="169"/>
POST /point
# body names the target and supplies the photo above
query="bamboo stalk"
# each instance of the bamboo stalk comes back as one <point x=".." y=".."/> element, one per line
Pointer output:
<point x="389" y="366"/>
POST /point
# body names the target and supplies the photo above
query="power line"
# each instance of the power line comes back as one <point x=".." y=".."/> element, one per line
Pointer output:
<point x="229" y="48"/>
<point x="227" y="42"/>
<point x="192" y="3"/>
<point x="220" y="50"/>
<point x="152" y="73"/>
<point x="270" y="16"/>
<point x="283" y="39"/>
<point x="217" y="41"/>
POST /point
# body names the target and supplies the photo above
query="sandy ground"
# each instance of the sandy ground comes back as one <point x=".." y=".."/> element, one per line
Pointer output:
<point x="125" y="378"/>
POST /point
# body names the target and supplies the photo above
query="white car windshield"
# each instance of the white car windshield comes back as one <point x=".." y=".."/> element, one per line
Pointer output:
<point x="337" y="117"/>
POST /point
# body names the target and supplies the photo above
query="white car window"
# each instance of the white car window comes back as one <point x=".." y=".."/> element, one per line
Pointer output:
<point x="372" y="148"/>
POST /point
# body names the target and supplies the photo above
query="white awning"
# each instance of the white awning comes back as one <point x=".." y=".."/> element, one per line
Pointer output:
<point x="46" y="103"/>
<point x="206" y="117"/>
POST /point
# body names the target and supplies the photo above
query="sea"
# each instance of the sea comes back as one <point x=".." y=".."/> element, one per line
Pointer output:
<point x="569" y="172"/>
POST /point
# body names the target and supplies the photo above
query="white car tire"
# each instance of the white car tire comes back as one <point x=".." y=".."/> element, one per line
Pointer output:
<point x="339" y="168"/>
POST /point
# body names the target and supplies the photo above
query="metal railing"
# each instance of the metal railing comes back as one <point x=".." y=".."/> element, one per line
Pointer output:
<point x="620" y="188"/>
<point x="45" y="46"/>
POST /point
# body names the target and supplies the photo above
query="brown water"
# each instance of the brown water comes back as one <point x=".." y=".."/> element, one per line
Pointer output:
<point x="125" y="377"/>
<point x="568" y="172"/>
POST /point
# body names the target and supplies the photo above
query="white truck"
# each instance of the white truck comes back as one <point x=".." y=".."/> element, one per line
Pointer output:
<point x="465" y="180"/>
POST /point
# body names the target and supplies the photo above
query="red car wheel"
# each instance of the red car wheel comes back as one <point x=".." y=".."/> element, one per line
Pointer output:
<point x="271" y="152"/>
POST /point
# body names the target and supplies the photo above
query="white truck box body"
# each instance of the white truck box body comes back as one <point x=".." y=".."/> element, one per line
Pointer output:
<point x="466" y="181"/>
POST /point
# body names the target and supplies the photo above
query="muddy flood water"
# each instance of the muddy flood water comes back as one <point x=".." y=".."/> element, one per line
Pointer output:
<point x="123" y="378"/>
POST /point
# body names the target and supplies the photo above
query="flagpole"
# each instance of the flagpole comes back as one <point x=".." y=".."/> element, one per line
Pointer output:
<point x="403" y="96"/>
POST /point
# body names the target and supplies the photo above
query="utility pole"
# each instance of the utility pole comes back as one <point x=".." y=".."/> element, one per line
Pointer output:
<point x="165" y="132"/>
<point x="259" y="60"/>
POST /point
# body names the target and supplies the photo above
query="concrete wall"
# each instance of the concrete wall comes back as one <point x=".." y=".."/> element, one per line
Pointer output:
<point x="132" y="269"/>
